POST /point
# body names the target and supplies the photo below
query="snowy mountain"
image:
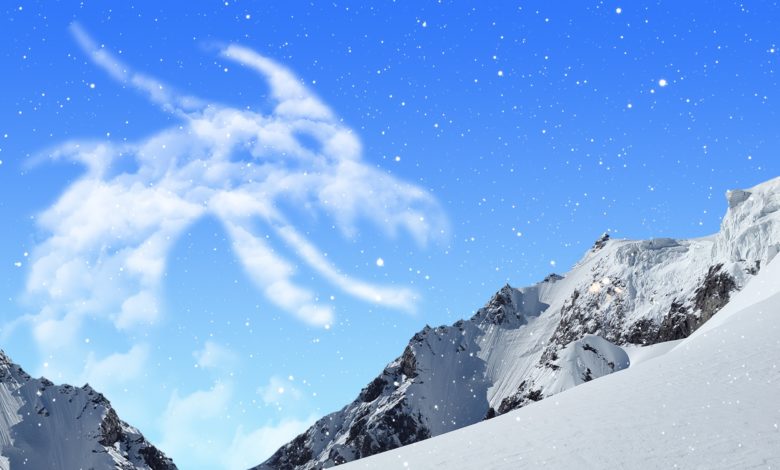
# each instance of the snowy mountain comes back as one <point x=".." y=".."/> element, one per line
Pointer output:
<point x="47" y="426"/>
<point x="530" y="343"/>
<point x="710" y="402"/>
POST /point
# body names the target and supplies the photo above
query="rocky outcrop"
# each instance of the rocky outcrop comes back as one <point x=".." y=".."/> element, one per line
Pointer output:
<point x="714" y="292"/>
<point x="601" y="242"/>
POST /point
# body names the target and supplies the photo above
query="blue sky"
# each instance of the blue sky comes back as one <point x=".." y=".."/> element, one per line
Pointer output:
<point x="156" y="186"/>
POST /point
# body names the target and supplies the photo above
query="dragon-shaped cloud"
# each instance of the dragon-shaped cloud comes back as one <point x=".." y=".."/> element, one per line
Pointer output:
<point x="109" y="234"/>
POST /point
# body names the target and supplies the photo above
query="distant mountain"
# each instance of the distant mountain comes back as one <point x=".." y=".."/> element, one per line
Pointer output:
<point x="710" y="401"/>
<point x="60" y="427"/>
<point x="530" y="343"/>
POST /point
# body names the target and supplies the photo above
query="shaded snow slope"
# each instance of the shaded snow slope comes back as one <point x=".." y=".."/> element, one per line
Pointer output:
<point x="47" y="426"/>
<point x="530" y="343"/>
<point x="711" y="402"/>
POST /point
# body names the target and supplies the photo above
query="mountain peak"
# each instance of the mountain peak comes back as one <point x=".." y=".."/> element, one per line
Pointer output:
<point x="44" y="425"/>
<point x="502" y="309"/>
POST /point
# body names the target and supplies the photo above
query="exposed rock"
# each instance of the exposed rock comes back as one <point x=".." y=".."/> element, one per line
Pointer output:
<point x="500" y="309"/>
<point x="373" y="390"/>
<point x="677" y="324"/>
<point x="601" y="242"/>
<point x="110" y="429"/>
<point x="409" y="363"/>
<point x="292" y="456"/>
<point x="552" y="277"/>
<point x="155" y="458"/>
<point x="714" y="293"/>
<point x="643" y="332"/>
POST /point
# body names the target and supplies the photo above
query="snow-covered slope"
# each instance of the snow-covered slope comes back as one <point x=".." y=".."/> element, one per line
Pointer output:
<point x="530" y="343"/>
<point x="711" y="402"/>
<point x="47" y="426"/>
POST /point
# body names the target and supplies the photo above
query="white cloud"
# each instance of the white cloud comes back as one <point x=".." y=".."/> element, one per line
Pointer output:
<point x="185" y="418"/>
<point x="187" y="415"/>
<point x="393" y="297"/>
<point x="108" y="236"/>
<point x="253" y="447"/>
<point x="279" y="391"/>
<point x="116" y="368"/>
<point x="138" y="309"/>
<point x="214" y="356"/>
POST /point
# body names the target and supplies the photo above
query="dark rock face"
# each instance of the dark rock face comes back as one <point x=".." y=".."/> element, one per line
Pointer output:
<point x="155" y="459"/>
<point x="512" y="402"/>
<point x="409" y="362"/>
<point x="708" y="299"/>
<point x="642" y="332"/>
<point x="404" y="428"/>
<point x="110" y="429"/>
<point x="677" y="324"/>
<point x="525" y="394"/>
<point x="292" y="455"/>
<point x="373" y="390"/>
<point x="714" y="293"/>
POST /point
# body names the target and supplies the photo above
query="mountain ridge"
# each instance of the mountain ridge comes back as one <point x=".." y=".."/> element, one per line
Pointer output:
<point x="529" y="343"/>
<point x="707" y="401"/>
<point x="43" y="425"/>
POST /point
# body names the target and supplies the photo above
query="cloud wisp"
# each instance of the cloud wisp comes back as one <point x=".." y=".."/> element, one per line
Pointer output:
<point x="109" y="234"/>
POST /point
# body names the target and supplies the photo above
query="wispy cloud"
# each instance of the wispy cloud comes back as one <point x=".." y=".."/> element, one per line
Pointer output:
<point x="187" y="415"/>
<point x="279" y="392"/>
<point x="248" y="448"/>
<point x="117" y="368"/>
<point x="215" y="356"/>
<point x="108" y="236"/>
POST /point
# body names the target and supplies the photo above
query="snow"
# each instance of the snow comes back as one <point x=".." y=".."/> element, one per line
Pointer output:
<point x="711" y="402"/>
<point x="639" y="354"/>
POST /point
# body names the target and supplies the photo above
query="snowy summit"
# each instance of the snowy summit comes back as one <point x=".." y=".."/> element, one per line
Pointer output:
<point x="625" y="302"/>
<point x="47" y="426"/>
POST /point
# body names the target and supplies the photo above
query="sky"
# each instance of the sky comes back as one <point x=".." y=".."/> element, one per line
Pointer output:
<point x="228" y="216"/>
